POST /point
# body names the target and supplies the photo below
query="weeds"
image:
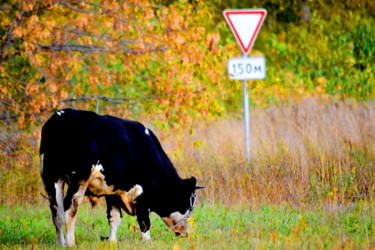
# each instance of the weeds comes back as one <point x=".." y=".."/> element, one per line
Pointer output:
<point x="305" y="153"/>
<point x="217" y="226"/>
<point x="312" y="152"/>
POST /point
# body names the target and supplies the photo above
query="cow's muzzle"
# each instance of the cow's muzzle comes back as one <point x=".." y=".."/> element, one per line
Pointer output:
<point x="183" y="235"/>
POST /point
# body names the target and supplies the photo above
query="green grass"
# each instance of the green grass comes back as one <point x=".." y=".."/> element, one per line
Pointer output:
<point x="214" y="226"/>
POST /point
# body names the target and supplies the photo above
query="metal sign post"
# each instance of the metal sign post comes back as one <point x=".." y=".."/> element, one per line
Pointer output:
<point x="245" y="25"/>
<point x="246" y="115"/>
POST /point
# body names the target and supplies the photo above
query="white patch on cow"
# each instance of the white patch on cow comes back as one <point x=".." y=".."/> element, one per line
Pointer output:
<point x="99" y="167"/>
<point x="60" y="216"/>
<point x="138" y="190"/>
<point x="146" y="235"/>
<point x="129" y="198"/>
<point x="146" y="131"/>
<point x="60" y="112"/>
<point x="41" y="163"/>
<point x="71" y="214"/>
<point x="178" y="222"/>
<point x="114" y="222"/>
<point x="178" y="217"/>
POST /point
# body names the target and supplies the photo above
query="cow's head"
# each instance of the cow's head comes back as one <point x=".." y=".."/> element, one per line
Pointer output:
<point x="182" y="207"/>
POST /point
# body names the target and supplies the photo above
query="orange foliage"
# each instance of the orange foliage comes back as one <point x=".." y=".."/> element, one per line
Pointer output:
<point x="131" y="58"/>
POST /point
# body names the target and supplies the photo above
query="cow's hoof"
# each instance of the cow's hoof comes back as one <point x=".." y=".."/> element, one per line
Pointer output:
<point x="146" y="236"/>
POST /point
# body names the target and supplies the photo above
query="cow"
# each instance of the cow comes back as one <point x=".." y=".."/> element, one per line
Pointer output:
<point x="121" y="160"/>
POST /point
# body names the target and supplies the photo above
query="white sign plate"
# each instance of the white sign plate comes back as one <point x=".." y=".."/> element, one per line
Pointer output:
<point x="247" y="68"/>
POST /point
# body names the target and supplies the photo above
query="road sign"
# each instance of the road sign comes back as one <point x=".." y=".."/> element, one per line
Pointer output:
<point x="245" y="25"/>
<point x="247" y="68"/>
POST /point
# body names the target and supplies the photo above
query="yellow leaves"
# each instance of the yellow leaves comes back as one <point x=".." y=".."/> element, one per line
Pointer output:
<point x="5" y="22"/>
<point x="93" y="79"/>
<point x="191" y="222"/>
<point x="63" y="94"/>
<point x="28" y="5"/>
<point x="34" y="19"/>
<point x="53" y="88"/>
<point x="44" y="34"/>
<point x="319" y="90"/>
<point x="77" y="90"/>
<point x="21" y="120"/>
<point x="212" y="40"/>
<point x="176" y="247"/>
<point x="140" y="46"/>
<point x="105" y="79"/>
<point x="75" y="61"/>
<point x="200" y="30"/>
<point x="149" y="13"/>
<point x="4" y="90"/>
<point x="31" y="88"/>
<point x="169" y="57"/>
<point x="82" y="21"/>
<point x="178" y="39"/>
<point x="108" y="23"/>
<point x="18" y="31"/>
<point x="37" y="59"/>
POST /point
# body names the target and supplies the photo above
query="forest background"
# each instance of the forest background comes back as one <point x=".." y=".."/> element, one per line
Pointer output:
<point x="164" y="63"/>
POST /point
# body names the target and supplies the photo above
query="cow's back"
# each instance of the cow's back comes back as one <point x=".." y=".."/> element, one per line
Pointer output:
<point x="70" y="142"/>
<point x="136" y="156"/>
<point x="73" y="141"/>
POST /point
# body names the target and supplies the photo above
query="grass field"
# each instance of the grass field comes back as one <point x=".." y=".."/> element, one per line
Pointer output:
<point x="214" y="227"/>
<point x="310" y="184"/>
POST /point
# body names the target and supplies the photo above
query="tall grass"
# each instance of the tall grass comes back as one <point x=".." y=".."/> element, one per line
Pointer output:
<point x="311" y="152"/>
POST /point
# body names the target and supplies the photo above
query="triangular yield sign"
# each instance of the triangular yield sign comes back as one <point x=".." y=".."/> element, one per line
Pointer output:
<point x="245" y="25"/>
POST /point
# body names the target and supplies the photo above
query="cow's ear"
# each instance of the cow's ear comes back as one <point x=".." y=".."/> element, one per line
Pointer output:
<point x="192" y="183"/>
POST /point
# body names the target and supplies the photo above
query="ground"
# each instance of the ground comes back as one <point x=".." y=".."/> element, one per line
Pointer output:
<point x="214" y="226"/>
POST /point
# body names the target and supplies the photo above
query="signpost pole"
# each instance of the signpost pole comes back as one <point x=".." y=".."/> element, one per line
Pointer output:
<point x="246" y="114"/>
<point x="245" y="25"/>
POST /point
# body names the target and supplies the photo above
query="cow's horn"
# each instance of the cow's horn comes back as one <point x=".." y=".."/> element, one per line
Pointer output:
<point x="199" y="186"/>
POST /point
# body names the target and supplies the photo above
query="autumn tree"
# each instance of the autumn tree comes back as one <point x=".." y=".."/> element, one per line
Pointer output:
<point x="121" y="57"/>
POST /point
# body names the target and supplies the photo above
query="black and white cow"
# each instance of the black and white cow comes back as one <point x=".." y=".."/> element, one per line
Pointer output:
<point x="119" y="159"/>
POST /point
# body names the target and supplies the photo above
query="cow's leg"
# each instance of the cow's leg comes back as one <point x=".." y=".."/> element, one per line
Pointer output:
<point x="114" y="216"/>
<point x="59" y="219"/>
<point x="55" y="192"/>
<point x="75" y="194"/>
<point x="143" y="220"/>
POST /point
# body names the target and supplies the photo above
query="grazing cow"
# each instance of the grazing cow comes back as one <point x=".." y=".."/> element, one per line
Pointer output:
<point x="119" y="159"/>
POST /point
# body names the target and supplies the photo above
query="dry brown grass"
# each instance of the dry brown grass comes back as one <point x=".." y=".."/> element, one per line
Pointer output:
<point x="311" y="152"/>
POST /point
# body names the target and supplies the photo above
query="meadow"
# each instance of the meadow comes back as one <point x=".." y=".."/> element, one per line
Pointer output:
<point x="311" y="179"/>
<point x="310" y="184"/>
<point x="214" y="227"/>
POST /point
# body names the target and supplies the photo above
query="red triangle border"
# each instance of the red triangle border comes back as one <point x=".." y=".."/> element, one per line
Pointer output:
<point x="245" y="49"/>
